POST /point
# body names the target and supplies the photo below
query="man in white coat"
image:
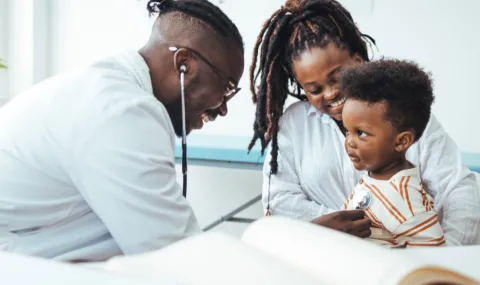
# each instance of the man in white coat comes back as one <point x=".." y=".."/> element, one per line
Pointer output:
<point x="87" y="157"/>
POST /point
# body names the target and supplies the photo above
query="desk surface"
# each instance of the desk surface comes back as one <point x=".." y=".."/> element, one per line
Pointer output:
<point x="234" y="149"/>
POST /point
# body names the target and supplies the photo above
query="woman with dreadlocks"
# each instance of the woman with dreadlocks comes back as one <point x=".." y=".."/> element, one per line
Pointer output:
<point x="300" y="52"/>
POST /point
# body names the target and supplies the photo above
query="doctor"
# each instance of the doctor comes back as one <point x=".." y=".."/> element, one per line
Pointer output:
<point x="87" y="158"/>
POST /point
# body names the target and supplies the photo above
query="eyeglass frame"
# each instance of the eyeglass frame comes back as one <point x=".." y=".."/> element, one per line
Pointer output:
<point x="233" y="87"/>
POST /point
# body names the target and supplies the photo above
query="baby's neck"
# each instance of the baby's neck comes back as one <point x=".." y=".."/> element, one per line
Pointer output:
<point x="386" y="172"/>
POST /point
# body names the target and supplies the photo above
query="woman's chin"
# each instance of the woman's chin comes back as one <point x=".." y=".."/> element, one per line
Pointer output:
<point x="337" y="116"/>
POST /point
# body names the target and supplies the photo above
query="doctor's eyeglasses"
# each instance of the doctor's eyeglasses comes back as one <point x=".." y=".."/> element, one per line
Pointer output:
<point x="231" y="87"/>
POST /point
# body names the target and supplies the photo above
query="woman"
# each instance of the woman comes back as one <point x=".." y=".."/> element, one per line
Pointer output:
<point x="307" y="174"/>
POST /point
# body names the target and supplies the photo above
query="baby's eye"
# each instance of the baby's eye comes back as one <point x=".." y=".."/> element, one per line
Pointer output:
<point x="361" y="134"/>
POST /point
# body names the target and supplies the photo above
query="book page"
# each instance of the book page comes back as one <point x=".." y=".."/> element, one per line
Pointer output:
<point x="28" y="270"/>
<point x="210" y="259"/>
<point x="335" y="257"/>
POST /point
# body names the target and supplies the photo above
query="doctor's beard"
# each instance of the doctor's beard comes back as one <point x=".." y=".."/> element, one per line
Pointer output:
<point x="174" y="110"/>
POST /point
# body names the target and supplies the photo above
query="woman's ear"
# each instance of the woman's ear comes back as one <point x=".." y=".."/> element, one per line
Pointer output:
<point x="404" y="140"/>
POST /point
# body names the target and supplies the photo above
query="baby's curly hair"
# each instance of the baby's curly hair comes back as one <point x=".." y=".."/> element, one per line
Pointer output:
<point x="403" y="85"/>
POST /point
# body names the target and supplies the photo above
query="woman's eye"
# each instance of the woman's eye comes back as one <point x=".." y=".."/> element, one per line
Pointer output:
<point x="316" y="91"/>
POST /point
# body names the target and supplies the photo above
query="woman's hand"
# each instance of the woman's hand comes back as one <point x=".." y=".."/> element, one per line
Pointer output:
<point x="353" y="222"/>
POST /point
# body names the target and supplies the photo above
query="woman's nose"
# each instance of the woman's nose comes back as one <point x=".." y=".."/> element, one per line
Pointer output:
<point x="330" y="93"/>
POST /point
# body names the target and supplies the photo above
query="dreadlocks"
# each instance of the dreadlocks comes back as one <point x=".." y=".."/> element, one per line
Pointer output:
<point x="297" y="26"/>
<point x="199" y="9"/>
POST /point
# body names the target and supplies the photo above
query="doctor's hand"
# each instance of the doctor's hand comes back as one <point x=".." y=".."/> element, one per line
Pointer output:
<point x="353" y="222"/>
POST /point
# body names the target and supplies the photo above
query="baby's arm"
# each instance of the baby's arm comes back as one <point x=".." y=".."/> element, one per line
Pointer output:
<point x="422" y="229"/>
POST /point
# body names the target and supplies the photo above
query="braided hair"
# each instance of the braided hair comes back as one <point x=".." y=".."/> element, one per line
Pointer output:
<point x="295" y="27"/>
<point x="199" y="9"/>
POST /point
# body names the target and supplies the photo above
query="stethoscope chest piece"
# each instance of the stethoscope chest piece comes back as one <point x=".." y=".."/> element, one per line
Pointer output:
<point x="362" y="199"/>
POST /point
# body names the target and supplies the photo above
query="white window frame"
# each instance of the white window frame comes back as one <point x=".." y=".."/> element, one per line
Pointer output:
<point x="25" y="33"/>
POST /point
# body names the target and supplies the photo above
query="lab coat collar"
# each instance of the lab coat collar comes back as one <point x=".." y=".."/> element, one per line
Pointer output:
<point x="132" y="60"/>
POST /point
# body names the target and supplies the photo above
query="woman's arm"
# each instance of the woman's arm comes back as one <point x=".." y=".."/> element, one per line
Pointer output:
<point x="282" y="192"/>
<point x="286" y="198"/>
<point x="454" y="187"/>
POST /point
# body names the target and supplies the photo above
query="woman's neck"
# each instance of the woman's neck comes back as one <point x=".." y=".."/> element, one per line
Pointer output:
<point x="386" y="172"/>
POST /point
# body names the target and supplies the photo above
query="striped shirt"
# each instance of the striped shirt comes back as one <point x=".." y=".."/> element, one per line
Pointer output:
<point x="401" y="211"/>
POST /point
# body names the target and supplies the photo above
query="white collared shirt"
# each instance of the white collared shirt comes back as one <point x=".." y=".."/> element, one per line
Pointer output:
<point x="315" y="175"/>
<point x="87" y="166"/>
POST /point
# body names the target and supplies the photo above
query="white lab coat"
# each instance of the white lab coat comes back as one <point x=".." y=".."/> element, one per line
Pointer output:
<point x="87" y="166"/>
<point x="315" y="174"/>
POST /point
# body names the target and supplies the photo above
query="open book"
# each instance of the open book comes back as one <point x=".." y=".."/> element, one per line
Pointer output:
<point x="279" y="251"/>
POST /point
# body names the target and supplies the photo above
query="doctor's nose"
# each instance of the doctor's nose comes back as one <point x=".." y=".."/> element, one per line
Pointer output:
<point x="223" y="109"/>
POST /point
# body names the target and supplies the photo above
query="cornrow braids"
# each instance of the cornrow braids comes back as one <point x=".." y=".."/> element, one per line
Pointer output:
<point x="295" y="27"/>
<point x="202" y="10"/>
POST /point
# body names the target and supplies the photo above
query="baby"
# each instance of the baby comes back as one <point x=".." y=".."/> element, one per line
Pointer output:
<point x="387" y="109"/>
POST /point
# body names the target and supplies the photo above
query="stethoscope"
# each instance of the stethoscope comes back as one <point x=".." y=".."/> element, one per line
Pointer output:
<point x="362" y="199"/>
<point x="183" y="68"/>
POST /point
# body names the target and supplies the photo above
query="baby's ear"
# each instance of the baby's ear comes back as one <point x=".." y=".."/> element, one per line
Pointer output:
<point x="357" y="58"/>
<point x="404" y="140"/>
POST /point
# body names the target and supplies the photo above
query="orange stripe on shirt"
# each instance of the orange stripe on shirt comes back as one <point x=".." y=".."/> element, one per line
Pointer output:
<point x="375" y="220"/>
<point x="402" y="191"/>
<point x="394" y="186"/>
<point x="426" y="227"/>
<point x="405" y="187"/>
<point x="434" y="218"/>
<point x="437" y="239"/>
<point x="424" y="198"/>
<point x="426" y="244"/>
<point x="388" y="205"/>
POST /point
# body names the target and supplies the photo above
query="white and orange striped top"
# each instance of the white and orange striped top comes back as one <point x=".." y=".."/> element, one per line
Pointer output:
<point x="401" y="211"/>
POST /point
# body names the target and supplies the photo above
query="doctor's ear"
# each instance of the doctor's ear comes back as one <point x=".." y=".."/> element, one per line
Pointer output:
<point x="182" y="60"/>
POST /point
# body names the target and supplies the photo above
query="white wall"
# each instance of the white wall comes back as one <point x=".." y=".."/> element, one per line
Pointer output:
<point x="436" y="33"/>
<point x="3" y="49"/>
<point x="439" y="34"/>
